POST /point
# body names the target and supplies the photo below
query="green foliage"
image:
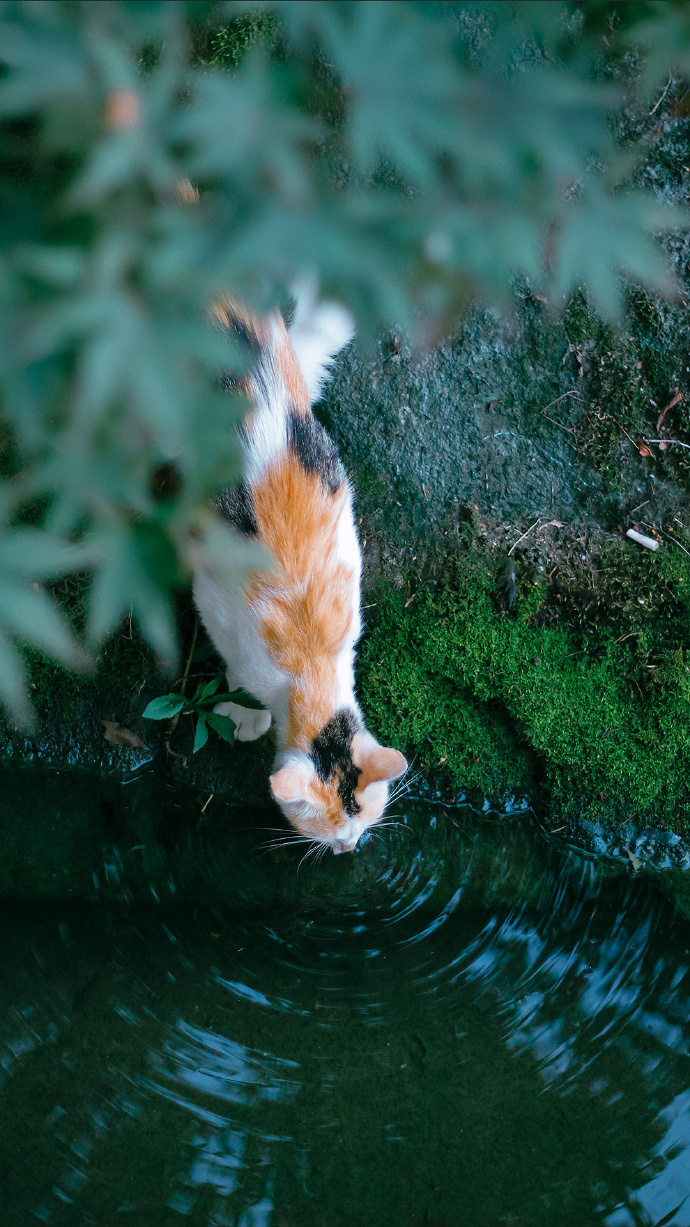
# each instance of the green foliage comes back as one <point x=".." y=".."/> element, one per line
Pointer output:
<point x="164" y="707"/>
<point x="168" y="706"/>
<point x="204" y="699"/>
<point x="153" y="156"/>
<point x="592" y="710"/>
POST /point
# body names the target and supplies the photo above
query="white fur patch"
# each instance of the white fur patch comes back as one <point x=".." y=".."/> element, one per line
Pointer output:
<point x="318" y="332"/>
<point x="250" y="723"/>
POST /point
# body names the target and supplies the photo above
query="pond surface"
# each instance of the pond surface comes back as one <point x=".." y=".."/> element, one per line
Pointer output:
<point x="460" y="1024"/>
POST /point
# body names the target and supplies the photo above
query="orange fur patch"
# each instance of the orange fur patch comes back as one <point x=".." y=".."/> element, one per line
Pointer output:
<point x="306" y="606"/>
<point x="326" y="796"/>
<point x="289" y="367"/>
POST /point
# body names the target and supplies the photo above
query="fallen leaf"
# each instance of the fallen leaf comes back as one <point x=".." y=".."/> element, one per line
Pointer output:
<point x="556" y="523"/>
<point x="120" y="736"/>
<point x="644" y="450"/>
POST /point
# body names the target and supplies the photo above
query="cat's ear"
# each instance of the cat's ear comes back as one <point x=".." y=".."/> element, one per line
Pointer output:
<point x="376" y="763"/>
<point x="289" y="784"/>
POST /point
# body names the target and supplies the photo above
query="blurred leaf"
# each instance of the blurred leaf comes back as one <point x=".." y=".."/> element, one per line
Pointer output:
<point x="12" y="685"/>
<point x="601" y="239"/>
<point x="244" y="125"/>
<point x="37" y="74"/>
<point x="226" y="554"/>
<point x="126" y="579"/>
<point x="30" y="614"/>
<point x="32" y="552"/>
<point x="402" y="84"/>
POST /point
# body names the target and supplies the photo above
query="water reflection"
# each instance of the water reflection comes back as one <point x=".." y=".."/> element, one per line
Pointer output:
<point x="462" y="1024"/>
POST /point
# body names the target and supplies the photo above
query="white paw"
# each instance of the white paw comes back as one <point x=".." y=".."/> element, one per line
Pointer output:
<point x="249" y="723"/>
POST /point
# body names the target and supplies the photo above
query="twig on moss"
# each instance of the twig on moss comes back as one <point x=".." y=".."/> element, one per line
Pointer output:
<point x="670" y="537"/>
<point x="203" y="810"/>
<point x="668" y="441"/>
<point x="613" y="419"/>
<point x="560" y="398"/>
<point x="569" y="429"/>
<point x="175" y="720"/>
<point x="661" y="99"/>
<point x="524" y="535"/>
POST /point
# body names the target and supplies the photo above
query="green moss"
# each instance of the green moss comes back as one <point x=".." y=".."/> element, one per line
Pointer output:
<point x="123" y="667"/>
<point x="595" y="712"/>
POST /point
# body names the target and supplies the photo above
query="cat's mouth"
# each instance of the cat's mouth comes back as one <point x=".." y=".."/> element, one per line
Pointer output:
<point x="344" y="845"/>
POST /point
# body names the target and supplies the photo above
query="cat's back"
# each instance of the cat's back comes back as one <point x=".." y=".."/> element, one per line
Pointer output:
<point x="295" y="497"/>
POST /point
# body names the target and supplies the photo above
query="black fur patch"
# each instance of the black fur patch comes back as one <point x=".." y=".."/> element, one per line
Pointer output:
<point x="315" y="450"/>
<point x="235" y="505"/>
<point x="230" y="381"/>
<point x="332" y="756"/>
<point x="288" y="313"/>
<point x="227" y="382"/>
<point x="245" y="335"/>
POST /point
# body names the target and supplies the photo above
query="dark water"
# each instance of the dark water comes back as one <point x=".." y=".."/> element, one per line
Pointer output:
<point x="461" y="1024"/>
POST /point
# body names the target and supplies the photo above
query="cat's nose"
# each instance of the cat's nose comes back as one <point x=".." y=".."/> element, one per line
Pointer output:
<point x="344" y="845"/>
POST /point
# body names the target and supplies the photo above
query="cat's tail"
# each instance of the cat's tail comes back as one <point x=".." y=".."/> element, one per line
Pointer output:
<point x="317" y="331"/>
<point x="289" y="364"/>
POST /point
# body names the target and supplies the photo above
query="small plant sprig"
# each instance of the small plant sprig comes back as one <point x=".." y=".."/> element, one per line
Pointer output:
<point x="205" y="697"/>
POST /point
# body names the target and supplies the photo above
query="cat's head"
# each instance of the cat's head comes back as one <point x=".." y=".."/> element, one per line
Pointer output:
<point x="338" y="789"/>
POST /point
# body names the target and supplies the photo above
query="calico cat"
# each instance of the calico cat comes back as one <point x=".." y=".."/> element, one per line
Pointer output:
<point x="289" y="638"/>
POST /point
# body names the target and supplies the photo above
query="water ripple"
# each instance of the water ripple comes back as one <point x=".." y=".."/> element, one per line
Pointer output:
<point x="360" y="1043"/>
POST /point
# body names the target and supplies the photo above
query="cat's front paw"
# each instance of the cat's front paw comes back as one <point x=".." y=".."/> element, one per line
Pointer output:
<point x="250" y="724"/>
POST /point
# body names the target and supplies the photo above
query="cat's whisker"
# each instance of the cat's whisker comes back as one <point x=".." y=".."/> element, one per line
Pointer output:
<point x="271" y="845"/>
<point x="403" y="786"/>
<point x="287" y="837"/>
<point x="405" y="780"/>
<point x="315" y="847"/>
<point x="408" y="780"/>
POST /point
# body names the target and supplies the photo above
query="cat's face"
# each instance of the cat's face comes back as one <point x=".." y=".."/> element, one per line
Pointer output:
<point x="336" y="807"/>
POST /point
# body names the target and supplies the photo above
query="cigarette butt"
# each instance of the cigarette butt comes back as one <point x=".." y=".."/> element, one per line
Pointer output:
<point x="648" y="542"/>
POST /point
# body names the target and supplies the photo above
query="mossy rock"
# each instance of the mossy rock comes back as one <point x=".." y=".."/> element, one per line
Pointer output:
<point x="591" y="714"/>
